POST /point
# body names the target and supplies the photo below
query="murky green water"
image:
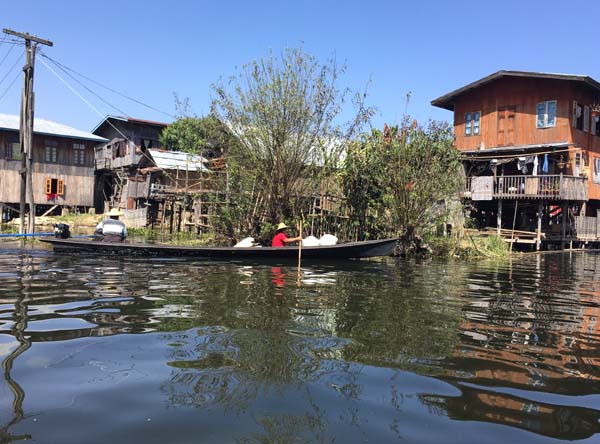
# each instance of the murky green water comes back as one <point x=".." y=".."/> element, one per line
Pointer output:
<point x="99" y="350"/>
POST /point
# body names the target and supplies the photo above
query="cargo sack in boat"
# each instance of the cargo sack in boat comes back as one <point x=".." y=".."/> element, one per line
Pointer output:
<point x="328" y="239"/>
<point x="310" y="241"/>
<point x="245" y="243"/>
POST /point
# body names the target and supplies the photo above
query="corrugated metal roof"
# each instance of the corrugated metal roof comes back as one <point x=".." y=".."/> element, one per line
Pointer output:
<point x="173" y="160"/>
<point x="43" y="126"/>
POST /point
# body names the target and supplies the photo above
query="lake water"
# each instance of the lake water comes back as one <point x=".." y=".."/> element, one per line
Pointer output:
<point x="111" y="350"/>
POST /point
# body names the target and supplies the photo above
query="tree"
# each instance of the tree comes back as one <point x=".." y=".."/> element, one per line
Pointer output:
<point x="194" y="134"/>
<point x="285" y="111"/>
<point x="404" y="174"/>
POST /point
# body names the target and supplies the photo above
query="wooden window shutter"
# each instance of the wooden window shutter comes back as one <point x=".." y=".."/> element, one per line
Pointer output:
<point x="586" y="118"/>
<point x="48" y="185"/>
<point x="61" y="187"/>
<point x="574" y="122"/>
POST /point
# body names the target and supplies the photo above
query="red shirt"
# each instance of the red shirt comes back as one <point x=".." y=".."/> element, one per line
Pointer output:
<point x="278" y="240"/>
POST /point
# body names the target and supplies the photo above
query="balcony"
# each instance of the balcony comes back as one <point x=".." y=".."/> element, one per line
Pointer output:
<point x="551" y="187"/>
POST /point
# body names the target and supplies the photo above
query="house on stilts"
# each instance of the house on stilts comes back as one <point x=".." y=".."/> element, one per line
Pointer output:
<point x="153" y="186"/>
<point x="62" y="167"/>
<point x="530" y="146"/>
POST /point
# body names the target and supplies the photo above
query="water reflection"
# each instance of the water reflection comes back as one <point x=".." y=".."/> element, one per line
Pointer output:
<point x="357" y="351"/>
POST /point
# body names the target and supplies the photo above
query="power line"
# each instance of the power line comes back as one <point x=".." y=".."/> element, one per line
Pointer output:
<point x="7" y="54"/>
<point x="11" y="84"/>
<point x="11" y="69"/>
<point x="64" y="67"/>
<point x="86" y="88"/>
<point x="100" y="114"/>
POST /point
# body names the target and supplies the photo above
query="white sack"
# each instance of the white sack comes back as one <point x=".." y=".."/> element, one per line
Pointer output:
<point x="310" y="241"/>
<point x="328" y="239"/>
<point x="245" y="243"/>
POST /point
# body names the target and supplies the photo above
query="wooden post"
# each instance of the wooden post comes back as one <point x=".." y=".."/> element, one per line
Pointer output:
<point x="512" y="234"/>
<point x="499" y="217"/>
<point x="538" y="240"/>
<point x="299" y="251"/>
<point x="26" y="127"/>
<point x="563" y="228"/>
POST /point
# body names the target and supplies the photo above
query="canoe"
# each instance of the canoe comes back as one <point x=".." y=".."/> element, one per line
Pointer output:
<point x="351" y="250"/>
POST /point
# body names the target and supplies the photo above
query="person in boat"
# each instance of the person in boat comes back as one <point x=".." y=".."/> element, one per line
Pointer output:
<point x="280" y="239"/>
<point x="112" y="229"/>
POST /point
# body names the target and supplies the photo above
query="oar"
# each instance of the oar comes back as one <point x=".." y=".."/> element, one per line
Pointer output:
<point x="299" y="251"/>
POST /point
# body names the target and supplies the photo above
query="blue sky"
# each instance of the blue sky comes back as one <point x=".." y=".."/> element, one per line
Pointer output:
<point x="149" y="50"/>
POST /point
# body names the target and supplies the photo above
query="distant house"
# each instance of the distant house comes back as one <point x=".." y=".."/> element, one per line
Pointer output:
<point x="63" y="165"/>
<point x="530" y="145"/>
<point x="150" y="184"/>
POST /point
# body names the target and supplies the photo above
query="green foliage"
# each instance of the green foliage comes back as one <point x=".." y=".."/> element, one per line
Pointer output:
<point x="398" y="180"/>
<point x="285" y="112"/>
<point x="194" y="134"/>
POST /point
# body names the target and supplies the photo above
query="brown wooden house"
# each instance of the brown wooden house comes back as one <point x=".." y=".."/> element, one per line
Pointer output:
<point x="530" y="145"/>
<point x="151" y="185"/>
<point x="63" y="166"/>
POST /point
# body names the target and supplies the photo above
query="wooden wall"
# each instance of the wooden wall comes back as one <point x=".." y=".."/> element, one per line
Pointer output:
<point x="78" y="179"/>
<point x="521" y="96"/>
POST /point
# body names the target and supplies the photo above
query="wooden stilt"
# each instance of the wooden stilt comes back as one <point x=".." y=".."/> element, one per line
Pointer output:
<point x="499" y="217"/>
<point x="538" y="239"/>
<point x="512" y="234"/>
<point x="563" y="228"/>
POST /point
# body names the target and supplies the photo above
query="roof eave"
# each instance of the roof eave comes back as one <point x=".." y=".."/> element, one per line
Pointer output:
<point x="447" y="100"/>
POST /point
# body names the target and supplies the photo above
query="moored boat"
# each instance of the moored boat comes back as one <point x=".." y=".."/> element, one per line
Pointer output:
<point x="351" y="250"/>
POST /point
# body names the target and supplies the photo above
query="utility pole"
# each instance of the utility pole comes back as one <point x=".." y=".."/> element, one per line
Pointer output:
<point x="26" y="127"/>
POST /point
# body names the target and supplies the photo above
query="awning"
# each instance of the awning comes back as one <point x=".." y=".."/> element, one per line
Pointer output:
<point x="512" y="151"/>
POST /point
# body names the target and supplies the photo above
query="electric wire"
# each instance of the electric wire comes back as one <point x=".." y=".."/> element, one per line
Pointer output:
<point x="64" y="67"/>
<point x="88" y="89"/>
<point x="7" y="54"/>
<point x="9" y="86"/>
<point x="11" y="69"/>
<point x="74" y="91"/>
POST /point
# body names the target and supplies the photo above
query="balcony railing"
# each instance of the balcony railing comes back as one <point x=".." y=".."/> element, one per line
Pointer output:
<point x="554" y="187"/>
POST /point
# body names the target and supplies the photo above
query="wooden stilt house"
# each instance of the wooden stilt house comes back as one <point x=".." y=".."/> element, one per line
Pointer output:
<point x="530" y="146"/>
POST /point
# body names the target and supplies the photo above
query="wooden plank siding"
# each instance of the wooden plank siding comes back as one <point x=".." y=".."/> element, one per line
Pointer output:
<point x="522" y="95"/>
<point x="508" y="108"/>
<point x="78" y="179"/>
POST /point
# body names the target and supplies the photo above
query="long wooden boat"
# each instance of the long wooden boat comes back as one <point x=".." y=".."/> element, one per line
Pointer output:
<point x="351" y="250"/>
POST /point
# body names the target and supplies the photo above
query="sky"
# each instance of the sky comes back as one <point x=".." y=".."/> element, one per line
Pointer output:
<point x="149" y="50"/>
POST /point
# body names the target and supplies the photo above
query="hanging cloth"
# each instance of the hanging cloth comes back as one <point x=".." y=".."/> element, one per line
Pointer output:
<point x="545" y="168"/>
<point x="535" y="166"/>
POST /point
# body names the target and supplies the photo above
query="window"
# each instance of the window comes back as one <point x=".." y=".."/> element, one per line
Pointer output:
<point x="546" y="114"/>
<point x="13" y="151"/>
<point x="51" y="151"/>
<point x="476" y="118"/>
<point x="595" y="125"/>
<point x="54" y="187"/>
<point x="596" y="172"/>
<point x="78" y="154"/>
<point x="472" y="123"/>
<point x="577" y="120"/>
